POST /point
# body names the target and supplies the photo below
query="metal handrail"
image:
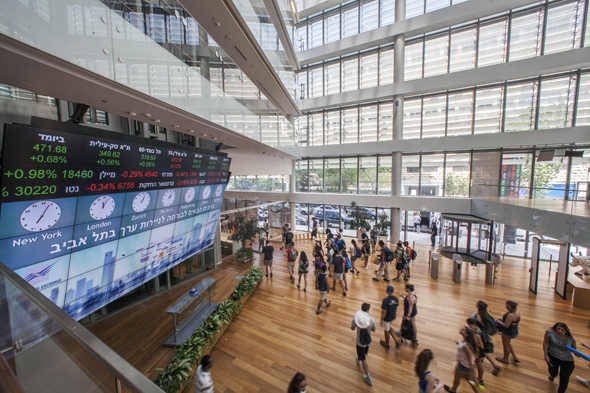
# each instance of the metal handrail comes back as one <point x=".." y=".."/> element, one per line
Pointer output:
<point x="109" y="359"/>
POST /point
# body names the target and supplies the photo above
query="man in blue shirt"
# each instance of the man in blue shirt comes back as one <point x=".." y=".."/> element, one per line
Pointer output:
<point x="384" y="264"/>
<point x="324" y="288"/>
<point x="388" y="314"/>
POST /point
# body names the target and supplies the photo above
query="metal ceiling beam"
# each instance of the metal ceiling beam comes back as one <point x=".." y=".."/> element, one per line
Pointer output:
<point x="432" y="21"/>
<point x="541" y="65"/>
<point x="223" y="22"/>
<point x="276" y="16"/>
<point x="316" y="9"/>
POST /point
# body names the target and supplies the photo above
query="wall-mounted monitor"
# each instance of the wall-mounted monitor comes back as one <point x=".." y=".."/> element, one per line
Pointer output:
<point x="88" y="215"/>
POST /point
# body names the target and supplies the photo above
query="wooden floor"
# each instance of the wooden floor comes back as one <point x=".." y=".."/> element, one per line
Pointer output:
<point x="278" y="333"/>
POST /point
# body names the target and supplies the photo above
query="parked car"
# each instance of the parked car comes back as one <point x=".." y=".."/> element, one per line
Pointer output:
<point x="333" y="218"/>
<point x="299" y="220"/>
<point x="319" y="209"/>
<point x="301" y="209"/>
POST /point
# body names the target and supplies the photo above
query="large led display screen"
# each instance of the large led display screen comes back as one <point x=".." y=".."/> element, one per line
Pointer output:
<point x="87" y="216"/>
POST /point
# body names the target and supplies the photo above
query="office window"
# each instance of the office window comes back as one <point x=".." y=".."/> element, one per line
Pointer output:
<point x="232" y="81"/>
<point x="316" y="129"/>
<point x="316" y="31"/>
<point x="414" y="8"/>
<point x="349" y="168"/>
<point x="192" y="31"/>
<point x="526" y="35"/>
<point x="520" y="107"/>
<point x="385" y="121"/>
<point x="410" y="175"/>
<point x="413" y="61"/>
<point x="332" y="175"/>
<point x="269" y="40"/>
<point x="332" y="78"/>
<point x="549" y="178"/>
<point x="252" y="127"/>
<point x="369" y="72"/>
<point x="515" y="177"/>
<point x="301" y="38"/>
<point x="235" y="123"/>
<point x="350" y="21"/>
<point x="433" y="5"/>
<point x="216" y="79"/>
<point x="488" y="110"/>
<point x="269" y="132"/>
<point x="301" y="85"/>
<point x="412" y="118"/>
<point x="436" y="52"/>
<point x="369" y="15"/>
<point x="175" y="31"/>
<point x="463" y="50"/>
<point x="434" y="113"/>
<point x="368" y="129"/>
<point x="564" y="27"/>
<point x="386" y="67"/>
<point x="316" y="175"/>
<point x="460" y="114"/>
<point x="583" y="101"/>
<point x="384" y="175"/>
<point x="387" y="12"/>
<point x="556" y="102"/>
<point x="332" y="127"/>
<point x="302" y="129"/>
<point x="350" y="74"/>
<point x="350" y="124"/>
<point x="368" y="175"/>
<point x="332" y="27"/>
<point x="431" y="180"/>
<point x="316" y="82"/>
<point x="457" y="174"/>
<point x="301" y="176"/>
<point x="156" y="27"/>
<point x="492" y="43"/>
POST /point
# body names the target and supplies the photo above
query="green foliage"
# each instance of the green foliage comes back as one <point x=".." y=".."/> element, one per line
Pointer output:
<point x="383" y="224"/>
<point x="245" y="254"/>
<point x="544" y="174"/>
<point x="245" y="230"/>
<point x="456" y="185"/>
<point x="359" y="217"/>
<point x="179" y="371"/>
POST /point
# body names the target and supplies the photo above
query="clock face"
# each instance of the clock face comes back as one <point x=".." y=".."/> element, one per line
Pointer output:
<point x="141" y="202"/>
<point x="218" y="190"/>
<point x="206" y="192"/>
<point x="189" y="195"/>
<point x="168" y="198"/>
<point x="102" y="207"/>
<point x="40" y="216"/>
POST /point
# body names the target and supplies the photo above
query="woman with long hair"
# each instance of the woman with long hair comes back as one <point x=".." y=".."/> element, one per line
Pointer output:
<point x="508" y="327"/>
<point x="428" y="382"/>
<point x="298" y="384"/>
<point x="347" y="267"/>
<point x="485" y="346"/>
<point x="465" y="360"/>
<point x="355" y="251"/>
<point x="487" y="324"/>
<point x="303" y="270"/>
<point x="558" y="357"/>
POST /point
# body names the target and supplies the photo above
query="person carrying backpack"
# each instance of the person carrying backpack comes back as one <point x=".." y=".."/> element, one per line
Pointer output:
<point x="365" y="324"/>
<point x="400" y="261"/>
<point x="385" y="259"/>
<point x="485" y="346"/>
<point x="292" y="255"/>
<point x="411" y="256"/>
<point x="487" y="324"/>
<point x="340" y="243"/>
<point x="355" y="253"/>
<point x="288" y="239"/>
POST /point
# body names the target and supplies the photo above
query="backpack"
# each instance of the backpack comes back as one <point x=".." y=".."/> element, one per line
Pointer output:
<point x="405" y="258"/>
<point x="293" y="253"/>
<point x="341" y="244"/>
<point x="359" y="252"/>
<point x="407" y="330"/>
<point x="490" y="327"/>
<point x="348" y="264"/>
<point x="288" y="237"/>
<point x="414" y="254"/>
<point x="364" y="337"/>
<point x="388" y="254"/>
<point x="488" y="344"/>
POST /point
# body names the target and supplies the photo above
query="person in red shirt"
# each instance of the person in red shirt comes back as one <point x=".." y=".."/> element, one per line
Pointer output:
<point x="409" y="252"/>
<point x="292" y="257"/>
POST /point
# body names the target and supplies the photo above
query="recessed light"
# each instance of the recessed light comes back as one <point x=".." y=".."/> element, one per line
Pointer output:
<point x="148" y="115"/>
<point x="203" y="134"/>
<point x="132" y="114"/>
<point x="215" y="138"/>
<point x="191" y="130"/>
<point x="176" y="126"/>
<point x="157" y="120"/>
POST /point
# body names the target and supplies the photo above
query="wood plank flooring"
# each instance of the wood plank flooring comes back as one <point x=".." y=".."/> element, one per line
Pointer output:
<point x="278" y="332"/>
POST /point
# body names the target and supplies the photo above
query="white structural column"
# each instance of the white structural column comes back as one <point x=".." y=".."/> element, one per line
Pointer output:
<point x="398" y="119"/>
<point x="292" y="189"/>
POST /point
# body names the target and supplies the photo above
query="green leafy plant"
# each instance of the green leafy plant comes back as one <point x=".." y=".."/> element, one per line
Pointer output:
<point x="383" y="224"/>
<point x="360" y="218"/>
<point x="245" y="231"/>
<point x="181" y="368"/>
<point x="245" y="254"/>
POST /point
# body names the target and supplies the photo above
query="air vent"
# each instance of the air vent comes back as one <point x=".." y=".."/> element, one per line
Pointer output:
<point x="240" y="52"/>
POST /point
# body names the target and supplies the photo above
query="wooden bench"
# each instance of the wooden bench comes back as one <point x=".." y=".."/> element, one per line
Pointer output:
<point x="578" y="288"/>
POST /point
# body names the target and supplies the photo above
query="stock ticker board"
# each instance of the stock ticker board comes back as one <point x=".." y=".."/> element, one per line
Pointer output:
<point x="87" y="216"/>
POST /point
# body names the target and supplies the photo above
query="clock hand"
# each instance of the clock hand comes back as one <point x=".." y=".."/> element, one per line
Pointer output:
<point x="42" y="214"/>
<point x="142" y="199"/>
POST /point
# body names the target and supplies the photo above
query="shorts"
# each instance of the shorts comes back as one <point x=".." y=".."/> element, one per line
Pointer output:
<point x="386" y="325"/>
<point x="303" y="271"/>
<point x="338" y="276"/>
<point x="345" y="270"/>
<point x="353" y="258"/>
<point x="314" y="233"/>
<point x="463" y="369"/>
<point x="323" y="295"/>
<point x="361" y="353"/>
<point x="268" y="262"/>
<point x="290" y="267"/>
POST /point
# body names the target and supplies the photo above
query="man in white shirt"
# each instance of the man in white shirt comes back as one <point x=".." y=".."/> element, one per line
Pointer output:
<point x="417" y="221"/>
<point x="203" y="382"/>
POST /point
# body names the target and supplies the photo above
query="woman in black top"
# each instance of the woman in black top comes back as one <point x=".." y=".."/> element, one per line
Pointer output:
<point x="508" y="326"/>
<point x="303" y="270"/>
<point x="434" y="234"/>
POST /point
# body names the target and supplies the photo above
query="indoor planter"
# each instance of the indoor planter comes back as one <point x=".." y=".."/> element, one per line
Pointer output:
<point x="359" y="219"/>
<point x="245" y="232"/>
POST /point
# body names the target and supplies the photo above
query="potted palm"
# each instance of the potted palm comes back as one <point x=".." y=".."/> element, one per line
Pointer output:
<point x="245" y="232"/>
<point x="359" y="218"/>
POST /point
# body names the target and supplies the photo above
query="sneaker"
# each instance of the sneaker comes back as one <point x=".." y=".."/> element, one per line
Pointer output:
<point x="343" y="293"/>
<point x="386" y="279"/>
<point x="357" y="273"/>
<point x="357" y="360"/>
<point x="367" y="379"/>
<point x="375" y="279"/>
<point x="397" y="345"/>
<point x="366" y="268"/>
<point x="266" y="274"/>
<point x="396" y="279"/>
<point x="270" y="275"/>
<point x="346" y="288"/>
<point x="583" y="381"/>
<point x="406" y="279"/>
<point x="298" y="286"/>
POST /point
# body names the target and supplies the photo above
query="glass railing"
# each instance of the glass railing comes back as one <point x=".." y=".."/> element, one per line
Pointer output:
<point x="48" y="351"/>
<point x="158" y="50"/>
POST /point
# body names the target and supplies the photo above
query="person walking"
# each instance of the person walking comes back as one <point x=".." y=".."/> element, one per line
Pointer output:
<point x="428" y="382"/>
<point x="365" y="324"/>
<point x="298" y="384"/>
<point x="347" y="267"/>
<point x="364" y="236"/>
<point x="374" y="237"/>
<point x="366" y="252"/>
<point x="409" y="252"/>
<point x="488" y="325"/>
<point x="261" y="239"/>
<point x="338" y="272"/>
<point x="268" y="251"/>
<point x="203" y="381"/>
<point x="388" y="314"/>
<point x="385" y="254"/>
<point x="324" y="288"/>
<point x="558" y="357"/>
<point x="485" y="346"/>
<point x="314" y="228"/>
<point x="417" y="222"/>
<point x="318" y="255"/>
<point x="355" y="253"/>
<point x="433" y="234"/>
<point x="292" y="255"/>
<point x="266" y="227"/>
<point x="508" y="327"/>
<point x="285" y="230"/>
<point x="465" y="360"/>
<point x="411" y="310"/>
<point x="400" y="261"/>
<point x="303" y="270"/>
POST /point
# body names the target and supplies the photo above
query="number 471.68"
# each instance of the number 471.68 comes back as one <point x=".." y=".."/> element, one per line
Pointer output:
<point x="50" y="148"/>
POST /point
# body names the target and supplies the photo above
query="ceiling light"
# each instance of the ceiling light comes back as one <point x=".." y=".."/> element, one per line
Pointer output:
<point x="203" y="134"/>
<point x="191" y="130"/>
<point x="133" y="114"/>
<point x="148" y="115"/>
<point x="157" y="120"/>
<point x="176" y="126"/>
